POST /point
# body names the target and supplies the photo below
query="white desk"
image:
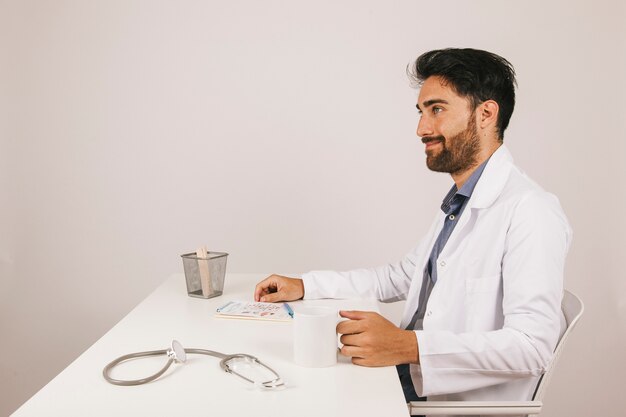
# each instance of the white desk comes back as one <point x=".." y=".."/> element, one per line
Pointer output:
<point x="199" y="387"/>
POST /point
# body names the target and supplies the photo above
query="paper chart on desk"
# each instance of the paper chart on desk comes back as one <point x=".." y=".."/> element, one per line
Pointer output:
<point x="253" y="311"/>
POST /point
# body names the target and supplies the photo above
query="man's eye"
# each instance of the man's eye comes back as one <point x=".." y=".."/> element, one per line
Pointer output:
<point x="437" y="110"/>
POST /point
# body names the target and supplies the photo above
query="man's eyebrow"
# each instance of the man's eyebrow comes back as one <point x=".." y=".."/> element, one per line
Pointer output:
<point x="429" y="103"/>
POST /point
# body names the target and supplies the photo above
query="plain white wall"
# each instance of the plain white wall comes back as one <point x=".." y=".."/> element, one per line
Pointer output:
<point x="283" y="133"/>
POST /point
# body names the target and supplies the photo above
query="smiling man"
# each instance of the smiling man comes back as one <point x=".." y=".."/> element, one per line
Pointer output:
<point x="484" y="286"/>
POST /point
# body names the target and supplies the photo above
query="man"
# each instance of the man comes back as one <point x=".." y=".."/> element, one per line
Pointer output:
<point x="484" y="287"/>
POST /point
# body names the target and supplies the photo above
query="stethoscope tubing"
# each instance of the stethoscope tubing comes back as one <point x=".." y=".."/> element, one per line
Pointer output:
<point x="124" y="358"/>
<point x="171" y="354"/>
<point x="107" y="369"/>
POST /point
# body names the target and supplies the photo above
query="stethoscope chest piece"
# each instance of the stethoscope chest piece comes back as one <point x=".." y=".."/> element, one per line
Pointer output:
<point x="177" y="352"/>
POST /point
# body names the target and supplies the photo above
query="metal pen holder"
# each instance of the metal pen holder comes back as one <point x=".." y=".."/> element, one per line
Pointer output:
<point x="205" y="276"/>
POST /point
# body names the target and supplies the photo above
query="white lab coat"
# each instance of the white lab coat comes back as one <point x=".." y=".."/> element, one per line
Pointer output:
<point x="493" y="318"/>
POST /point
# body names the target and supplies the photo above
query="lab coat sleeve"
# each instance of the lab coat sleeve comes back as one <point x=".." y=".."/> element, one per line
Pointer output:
<point x="532" y="278"/>
<point x="387" y="283"/>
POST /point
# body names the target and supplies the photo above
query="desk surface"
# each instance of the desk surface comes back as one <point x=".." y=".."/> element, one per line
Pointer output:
<point x="200" y="387"/>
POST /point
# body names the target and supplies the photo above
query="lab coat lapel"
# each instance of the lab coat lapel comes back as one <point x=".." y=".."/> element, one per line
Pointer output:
<point x="488" y="188"/>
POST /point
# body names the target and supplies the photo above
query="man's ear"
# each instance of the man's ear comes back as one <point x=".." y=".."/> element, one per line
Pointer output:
<point x="488" y="114"/>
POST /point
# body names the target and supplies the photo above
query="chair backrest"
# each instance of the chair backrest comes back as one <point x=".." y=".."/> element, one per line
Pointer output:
<point x="573" y="308"/>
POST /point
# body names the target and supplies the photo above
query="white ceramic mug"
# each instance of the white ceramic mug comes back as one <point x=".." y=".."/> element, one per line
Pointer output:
<point x="315" y="336"/>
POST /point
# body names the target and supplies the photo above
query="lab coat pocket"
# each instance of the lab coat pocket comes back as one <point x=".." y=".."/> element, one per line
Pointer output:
<point x="483" y="298"/>
<point x="483" y="284"/>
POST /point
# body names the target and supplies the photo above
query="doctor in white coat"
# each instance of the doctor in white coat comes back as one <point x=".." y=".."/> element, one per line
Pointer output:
<point x="484" y="286"/>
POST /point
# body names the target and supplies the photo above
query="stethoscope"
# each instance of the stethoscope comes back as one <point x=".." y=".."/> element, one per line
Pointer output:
<point x="176" y="353"/>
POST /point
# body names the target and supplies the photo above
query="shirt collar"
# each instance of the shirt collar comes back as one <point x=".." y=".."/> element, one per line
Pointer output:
<point x="466" y="190"/>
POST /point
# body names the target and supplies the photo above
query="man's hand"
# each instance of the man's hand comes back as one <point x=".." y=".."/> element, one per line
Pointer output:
<point x="278" y="288"/>
<point x="372" y="340"/>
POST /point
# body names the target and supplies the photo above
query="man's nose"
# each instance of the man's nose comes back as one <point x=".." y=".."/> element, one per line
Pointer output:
<point x="424" y="128"/>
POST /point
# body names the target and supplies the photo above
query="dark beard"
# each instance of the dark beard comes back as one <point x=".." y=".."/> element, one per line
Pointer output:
<point x="459" y="152"/>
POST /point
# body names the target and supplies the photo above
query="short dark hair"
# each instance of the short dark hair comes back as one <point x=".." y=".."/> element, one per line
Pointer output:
<point x="472" y="73"/>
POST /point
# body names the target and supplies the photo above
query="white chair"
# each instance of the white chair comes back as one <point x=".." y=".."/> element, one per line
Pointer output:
<point x="572" y="307"/>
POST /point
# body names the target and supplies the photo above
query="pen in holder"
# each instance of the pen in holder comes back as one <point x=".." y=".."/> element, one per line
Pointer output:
<point x="204" y="273"/>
